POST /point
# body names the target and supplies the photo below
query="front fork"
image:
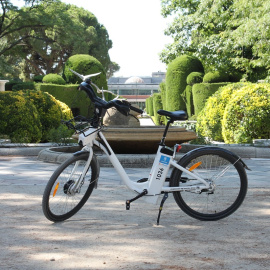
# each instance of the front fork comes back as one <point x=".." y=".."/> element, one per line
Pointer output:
<point x="75" y="188"/>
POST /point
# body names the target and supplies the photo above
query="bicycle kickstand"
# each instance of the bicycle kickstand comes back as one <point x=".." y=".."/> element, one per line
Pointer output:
<point x="134" y="199"/>
<point x="165" y="197"/>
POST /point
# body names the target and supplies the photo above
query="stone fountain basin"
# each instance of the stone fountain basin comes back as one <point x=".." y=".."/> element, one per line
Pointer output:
<point x="143" y="140"/>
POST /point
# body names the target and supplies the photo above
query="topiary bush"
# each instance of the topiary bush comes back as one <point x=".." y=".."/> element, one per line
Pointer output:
<point x="78" y="101"/>
<point x="176" y="80"/>
<point x="150" y="106"/>
<point x="247" y="115"/>
<point x="188" y="98"/>
<point x="85" y="65"/>
<point x="195" y="77"/>
<point x="19" y="118"/>
<point x="215" y="77"/>
<point x="38" y="78"/>
<point x="209" y="120"/>
<point x="53" y="78"/>
<point x="201" y="92"/>
<point x="157" y="105"/>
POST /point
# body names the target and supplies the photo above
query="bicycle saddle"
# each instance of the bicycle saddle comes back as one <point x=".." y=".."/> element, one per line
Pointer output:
<point x="177" y="115"/>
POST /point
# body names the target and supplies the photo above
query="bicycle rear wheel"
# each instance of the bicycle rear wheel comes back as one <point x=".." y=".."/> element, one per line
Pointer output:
<point x="59" y="201"/>
<point x="224" y="171"/>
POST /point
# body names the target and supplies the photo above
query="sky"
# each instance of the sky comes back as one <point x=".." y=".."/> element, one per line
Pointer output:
<point x="136" y="29"/>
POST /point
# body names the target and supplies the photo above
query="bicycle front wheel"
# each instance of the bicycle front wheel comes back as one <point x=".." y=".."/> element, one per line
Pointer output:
<point x="60" y="200"/>
<point x="225" y="172"/>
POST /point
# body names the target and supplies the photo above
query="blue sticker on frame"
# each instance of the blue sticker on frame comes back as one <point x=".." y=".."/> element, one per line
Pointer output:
<point x="164" y="160"/>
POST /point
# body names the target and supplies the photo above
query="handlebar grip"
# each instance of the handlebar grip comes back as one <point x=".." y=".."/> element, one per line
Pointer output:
<point x="136" y="109"/>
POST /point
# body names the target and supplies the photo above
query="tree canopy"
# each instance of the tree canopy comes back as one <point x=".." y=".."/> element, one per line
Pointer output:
<point x="224" y="34"/>
<point x="39" y="37"/>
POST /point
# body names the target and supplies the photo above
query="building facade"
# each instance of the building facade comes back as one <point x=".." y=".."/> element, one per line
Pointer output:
<point x="136" y="89"/>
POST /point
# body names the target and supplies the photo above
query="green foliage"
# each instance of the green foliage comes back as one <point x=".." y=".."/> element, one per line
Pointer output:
<point x="157" y="105"/>
<point x="60" y="135"/>
<point x="23" y="86"/>
<point x="176" y="77"/>
<point x="54" y="79"/>
<point x="69" y="94"/>
<point x="49" y="110"/>
<point x="150" y="106"/>
<point x="247" y="115"/>
<point x="215" y="77"/>
<point x="49" y="26"/>
<point x="19" y="118"/>
<point x="38" y="78"/>
<point x="201" y="92"/>
<point x="232" y="35"/>
<point x="194" y="77"/>
<point x="85" y="64"/>
<point x="209" y="120"/>
<point x="188" y="98"/>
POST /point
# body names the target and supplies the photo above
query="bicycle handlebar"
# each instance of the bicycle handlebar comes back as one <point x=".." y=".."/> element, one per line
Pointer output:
<point x="122" y="106"/>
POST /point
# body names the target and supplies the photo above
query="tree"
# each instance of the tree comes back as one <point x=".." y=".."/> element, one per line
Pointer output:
<point x="224" y="34"/>
<point x="64" y="30"/>
<point x="113" y="67"/>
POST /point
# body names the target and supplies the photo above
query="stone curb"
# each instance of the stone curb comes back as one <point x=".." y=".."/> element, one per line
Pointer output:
<point x="127" y="160"/>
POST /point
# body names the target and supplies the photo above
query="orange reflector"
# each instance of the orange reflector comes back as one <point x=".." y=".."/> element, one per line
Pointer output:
<point x="56" y="188"/>
<point x="193" y="167"/>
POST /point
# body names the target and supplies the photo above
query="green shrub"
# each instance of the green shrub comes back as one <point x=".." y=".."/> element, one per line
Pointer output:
<point x="60" y="135"/>
<point x="38" y="78"/>
<point x="19" y="118"/>
<point x="85" y="65"/>
<point x="176" y="80"/>
<point x="162" y="90"/>
<point x="209" y="120"/>
<point x="246" y="117"/>
<point x="150" y="106"/>
<point x="54" y="79"/>
<point x="157" y="105"/>
<point x="49" y="111"/>
<point x="23" y="86"/>
<point x="188" y="98"/>
<point x="194" y="77"/>
<point x="215" y="77"/>
<point x="78" y="101"/>
<point x="201" y="92"/>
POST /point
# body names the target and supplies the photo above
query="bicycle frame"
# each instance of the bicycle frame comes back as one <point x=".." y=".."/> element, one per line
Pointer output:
<point x="155" y="185"/>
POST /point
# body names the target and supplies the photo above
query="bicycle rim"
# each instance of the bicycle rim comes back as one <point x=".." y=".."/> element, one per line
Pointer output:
<point x="228" y="178"/>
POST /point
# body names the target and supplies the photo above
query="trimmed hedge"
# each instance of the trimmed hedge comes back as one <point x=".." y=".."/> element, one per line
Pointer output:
<point x="157" y="105"/>
<point x="78" y="101"/>
<point x="85" y="65"/>
<point x="195" y="77"/>
<point x="246" y="117"/>
<point x="54" y="79"/>
<point x="23" y="86"/>
<point x="177" y="73"/>
<point x="215" y="77"/>
<point x="150" y="106"/>
<point x="201" y="92"/>
<point x="188" y="98"/>
<point x="209" y="120"/>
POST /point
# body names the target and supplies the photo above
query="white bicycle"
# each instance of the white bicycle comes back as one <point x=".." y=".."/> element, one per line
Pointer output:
<point x="207" y="183"/>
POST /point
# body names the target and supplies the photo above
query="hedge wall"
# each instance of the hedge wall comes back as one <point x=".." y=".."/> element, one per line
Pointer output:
<point x="150" y="106"/>
<point x="201" y="92"/>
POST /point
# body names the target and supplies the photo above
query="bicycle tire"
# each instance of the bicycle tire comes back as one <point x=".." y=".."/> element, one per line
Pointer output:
<point x="58" y="203"/>
<point x="230" y="183"/>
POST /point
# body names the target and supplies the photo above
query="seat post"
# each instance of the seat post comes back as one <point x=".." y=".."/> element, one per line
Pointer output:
<point x="162" y="143"/>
